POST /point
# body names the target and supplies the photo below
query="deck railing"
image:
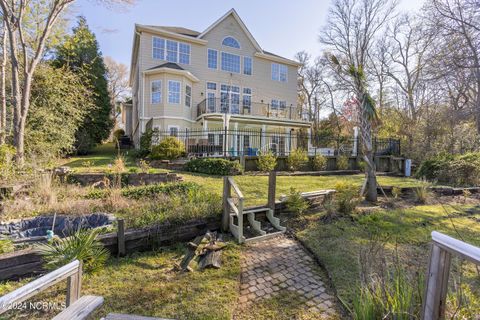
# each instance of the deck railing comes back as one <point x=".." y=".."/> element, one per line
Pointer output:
<point x="249" y="108"/>
<point x="442" y="249"/>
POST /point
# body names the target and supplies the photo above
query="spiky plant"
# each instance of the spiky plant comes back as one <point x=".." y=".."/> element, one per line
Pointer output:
<point x="82" y="245"/>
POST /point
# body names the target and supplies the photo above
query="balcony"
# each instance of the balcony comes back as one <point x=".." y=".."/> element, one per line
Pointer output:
<point x="248" y="108"/>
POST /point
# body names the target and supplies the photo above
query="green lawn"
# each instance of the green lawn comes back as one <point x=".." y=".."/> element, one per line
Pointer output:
<point x="145" y="284"/>
<point x="405" y="233"/>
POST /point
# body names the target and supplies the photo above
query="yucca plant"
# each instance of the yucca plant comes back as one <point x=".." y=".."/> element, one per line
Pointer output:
<point x="82" y="245"/>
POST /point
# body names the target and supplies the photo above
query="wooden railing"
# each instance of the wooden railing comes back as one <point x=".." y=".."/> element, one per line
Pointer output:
<point x="229" y="206"/>
<point x="442" y="249"/>
<point x="72" y="272"/>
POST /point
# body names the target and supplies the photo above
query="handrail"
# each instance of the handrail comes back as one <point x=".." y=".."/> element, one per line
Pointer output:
<point x="455" y="246"/>
<point x="236" y="188"/>
<point x="233" y="206"/>
<point x="29" y="290"/>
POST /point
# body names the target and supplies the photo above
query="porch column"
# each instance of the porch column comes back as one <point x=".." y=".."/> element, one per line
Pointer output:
<point x="226" y="129"/>
<point x="234" y="138"/>
<point x="355" y="142"/>
<point x="287" y="140"/>
<point x="263" y="138"/>
<point x="205" y="128"/>
<point x="309" y="143"/>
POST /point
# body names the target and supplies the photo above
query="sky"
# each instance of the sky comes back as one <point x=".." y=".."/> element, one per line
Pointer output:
<point x="283" y="27"/>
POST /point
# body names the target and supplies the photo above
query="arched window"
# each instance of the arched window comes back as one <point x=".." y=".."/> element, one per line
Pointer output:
<point x="231" y="42"/>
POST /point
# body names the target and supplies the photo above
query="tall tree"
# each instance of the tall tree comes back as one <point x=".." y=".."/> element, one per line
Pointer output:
<point x="3" y="91"/>
<point x="349" y="36"/>
<point x="118" y="86"/>
<point x="80" y="52"/>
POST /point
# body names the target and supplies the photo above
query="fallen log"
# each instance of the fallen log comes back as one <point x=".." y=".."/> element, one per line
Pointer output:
<point x="211" y="259"/>
<point x="192" y="248"/>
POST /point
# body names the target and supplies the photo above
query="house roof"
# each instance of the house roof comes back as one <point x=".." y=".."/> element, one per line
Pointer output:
<point x="178" y="30"/>
<point x="169" y="65"/>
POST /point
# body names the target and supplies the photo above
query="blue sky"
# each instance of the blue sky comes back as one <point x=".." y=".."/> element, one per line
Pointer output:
<point x="280" y="26"/>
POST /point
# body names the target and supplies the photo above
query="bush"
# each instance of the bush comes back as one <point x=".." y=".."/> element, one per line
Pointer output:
<point x="82" y="245"/>
<point x="266" y="161"/>
<point x="342" y="163"/>
<point x="145" y="144"/>
<point x="6" y="246"/>
<point x="346" y="197"/>
<point x="296" y="159"/>
<point x="430" y="168"/>
<point x="169" y="148"/>
<point x="296" y="203"/>
<point x="362" y="166"/>
<point x="214" y="166"/>
<point x="422" y="192"/>
<point x="319" y="163"/>
<point x="7" y="164"/>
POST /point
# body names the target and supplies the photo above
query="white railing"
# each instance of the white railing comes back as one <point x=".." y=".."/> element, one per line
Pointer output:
<point x="442" y="249"/>
<point x="229" y="206"/>
<point x="72" y="272"/>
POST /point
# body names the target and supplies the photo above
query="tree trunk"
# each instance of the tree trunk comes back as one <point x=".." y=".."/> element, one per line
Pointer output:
<point x="371" y="179"/>
<point x="3" y="94"/>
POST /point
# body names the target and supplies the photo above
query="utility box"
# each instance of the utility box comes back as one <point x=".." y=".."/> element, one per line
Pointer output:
<point x="408" y="167"/>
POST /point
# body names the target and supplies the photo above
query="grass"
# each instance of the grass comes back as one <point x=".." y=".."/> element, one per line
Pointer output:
<point x="144" y="284"/>
<point x="405" y="232"/>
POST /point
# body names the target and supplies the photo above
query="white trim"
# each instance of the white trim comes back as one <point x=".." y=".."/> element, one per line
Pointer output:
<point x="151" y="91"/>
<point x="168" y="117"/>
<point x="239" y="45"/>
<point x="240" y="22"/>
<point x="169" y="34"/>
<point x="216" y="64"/>
<point x="170" y="126"/>
<point x="165" y="50"/>
<point x="277" y="59"/>
<point x="184" y="73"/>
<point x="256" y="119"/>
<point x="179" y="92"/>
<point x="233" y="54"/>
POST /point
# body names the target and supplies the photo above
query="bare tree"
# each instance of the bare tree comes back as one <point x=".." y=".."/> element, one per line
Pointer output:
<point x="117" y="76"/>
<point x="26" y="53"/>
<point x="3" y="93"/>
<point x="349" y="35"/>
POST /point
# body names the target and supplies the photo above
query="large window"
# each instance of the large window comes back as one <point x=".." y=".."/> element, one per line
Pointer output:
<point x="158" y="48"/>
<point x="173" y="92"/>
<point x="247" y="100"/>
<point x="172" y="51"/>
<point x="173" y="130"/>
<point x="247" y="66"/>
<point x="156" y="90"/>
<point x="231" y="42"/>
<point x="278" y="104"/>
<point x="279" y="72"/>
<point x="212" y="59"/>
<point x="230" y="62"/>
<point x="188" y="96"/>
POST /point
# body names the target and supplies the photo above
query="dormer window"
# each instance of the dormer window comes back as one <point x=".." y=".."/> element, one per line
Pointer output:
<point x="231" y="42"/>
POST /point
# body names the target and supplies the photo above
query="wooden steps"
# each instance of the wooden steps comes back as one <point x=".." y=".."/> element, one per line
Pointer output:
<point x="80" y="309"/>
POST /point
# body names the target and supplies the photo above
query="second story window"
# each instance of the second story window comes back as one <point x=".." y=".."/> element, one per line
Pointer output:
<point x="212" y="59"/>
<point x="230" y="62"/>
<point x="156" y="88"/>
<point x="247" y="66"/>
<point x="188" y="96"/>
<point x="278" y="104"/>
<point x="231" y="42"/>
<point x="173" y="92"/>
<point x="279" y="72"/>
<point x="172" y="51"/>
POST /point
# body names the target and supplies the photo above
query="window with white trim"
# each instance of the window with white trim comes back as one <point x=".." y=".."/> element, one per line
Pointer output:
<point x="173" y="130"/>
<point x="174" y="92"/>
<point x="247" y="66"/>
<point x="156" y="91"/>
<point x="170" y="50"/>
<point x="278" y="104"/>
<point x="247" y="100"/>
<point x="230" y="62"/>
<point x="279" y="72"/>
<point x="158" y="45"/>
<point x="212" y="59"/>
<point x="188" y="96"/>
<point x="231" y="42"/>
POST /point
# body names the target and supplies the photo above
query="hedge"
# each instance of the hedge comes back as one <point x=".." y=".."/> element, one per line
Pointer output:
<point x="214" y="166"/>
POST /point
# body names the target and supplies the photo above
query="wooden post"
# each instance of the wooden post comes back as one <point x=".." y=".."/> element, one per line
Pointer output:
<point x="272" y="185"/>
<point x="121" y="237"/>
<point x="437" y="282"/>
<point x="226" y="208"/>
<point x="74" y="286"/>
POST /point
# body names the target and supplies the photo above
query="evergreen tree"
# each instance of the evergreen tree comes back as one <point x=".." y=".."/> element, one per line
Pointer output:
<point x="80" y="53"/>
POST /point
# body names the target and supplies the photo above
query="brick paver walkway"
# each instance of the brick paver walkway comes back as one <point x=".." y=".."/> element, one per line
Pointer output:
<point x="272" y="266"/>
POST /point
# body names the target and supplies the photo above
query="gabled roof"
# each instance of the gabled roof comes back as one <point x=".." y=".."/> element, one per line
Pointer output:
<point x="169" y="65"/>
<point x="235" y="15"/>
<point x="178" y="30"/>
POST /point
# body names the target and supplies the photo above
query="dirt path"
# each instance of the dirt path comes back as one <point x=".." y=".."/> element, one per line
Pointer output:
<point x="280" y="267"/>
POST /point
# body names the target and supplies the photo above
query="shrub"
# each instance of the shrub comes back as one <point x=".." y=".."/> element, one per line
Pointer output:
<point x="82" y="245"/>
<point x="396" y="192"/>
<point x="6" y="246"/>
<point x="319" y="163"/>
<point x="7" y="165"/>
<point x="144" y="166"/>
<point x="422" y="192"/>
<point x="145" y="143"/>
<point x="430" y="168"/>
<point x="148" y="191"/>
<point x="214" y="166"/>
<point x="296" y="159"/>
<point x="342" y="162"/>
<point x="346" y="197"/>
<point x="266" y="161"/>
<point x="296" y="203"/>
<point x="460" y="172"/>
<point x="362" y="166"/>
<point x="169" y="148"/>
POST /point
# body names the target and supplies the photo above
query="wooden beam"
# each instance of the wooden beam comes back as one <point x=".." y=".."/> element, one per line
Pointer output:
<point x="121" y="237"/>
<point x="74" y="286"/>
<point x="272" y="185"/>
<point x="226" y="207"/>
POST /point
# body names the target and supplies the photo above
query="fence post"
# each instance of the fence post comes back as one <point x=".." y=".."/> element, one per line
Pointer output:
<point x="226" y="208"/>
<point x="225" y="137"/>
<point x="272" y="184"/>
<point x="437" y="281"/>
<point x="74" y="286"/>
<point x="121" y="237"/>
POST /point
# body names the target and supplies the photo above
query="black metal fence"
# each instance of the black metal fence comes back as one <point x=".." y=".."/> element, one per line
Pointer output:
<point x="236" y="143"/>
